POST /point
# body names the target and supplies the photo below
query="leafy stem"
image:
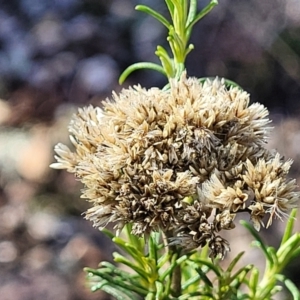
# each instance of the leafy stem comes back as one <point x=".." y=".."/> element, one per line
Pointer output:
<point x="276" y="261"/>
<point x="184" y="15"/>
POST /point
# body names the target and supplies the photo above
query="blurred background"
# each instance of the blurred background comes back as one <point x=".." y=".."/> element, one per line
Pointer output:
<point x="58" y="55"/>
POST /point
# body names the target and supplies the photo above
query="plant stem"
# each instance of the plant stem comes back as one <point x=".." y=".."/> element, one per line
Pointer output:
<point x="176" y="274"/>
<point x="176" y="282"/>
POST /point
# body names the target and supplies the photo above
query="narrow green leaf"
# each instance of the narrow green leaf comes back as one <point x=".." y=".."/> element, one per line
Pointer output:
<point x="96" y="272"/>
<point x="116" y="293"/>
<point x="137" y="242"/>
<point x="150" y="296"/>
<point x="204" y="277"/>
<point x="134" y="279"/>
<point x="119" y="258"/>
<point x="241" y="273"/>
<point x="244" y="297"/>
<point x="159" y="290"/>
<point x="189" y="296"/>
<point x="157" y="239"/>
<point x="202" y="13"/>
<point x="176" y="8"/>
<point x="288" y="249"/>
<point x="138" y="66"/>
<point x="117" y="281"/>
<point x="296" y="253"/>
<point x="259" y="241"/>
<point x="154" y="14"/>
<point x="204" y="252"/>
<point x="131" y="250"/>
<point x="289" y="226"/>
<point x="191" y="281"/>
<point x="108" y="233"/>
<point x="170" y="6"/>
<point x="239" y="277"/>
<point x="176" y="43"/>
<point x="253" y="281"/>
<point x="128" y="293"/>
<point x="266" y="292"/>
<point x="211" y="266"/>
<point x="166" y="61"/>
<point x="272" y="252"/>
<point x="185" y="9"/>
<point x="276" y="289"/>
<point x="172" y="266"/>
<point x="168" y="285"/>
<point x="188" y="271"/>
<point x="162" y="52"/>
<point x="98" y="286"/>
<point x="192" y="12"/>
<point x="189" y="49"/>
<point x="152" y="249"/>
<point x="292" y="288"/>
<point x="163" y="259"/>
<point x="234" y="262"/>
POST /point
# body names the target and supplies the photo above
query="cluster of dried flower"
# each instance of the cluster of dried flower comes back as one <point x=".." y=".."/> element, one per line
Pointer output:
<point x="184" y="160"/>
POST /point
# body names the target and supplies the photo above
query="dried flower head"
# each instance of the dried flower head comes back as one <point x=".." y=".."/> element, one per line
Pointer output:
<point x="184" y="160"/>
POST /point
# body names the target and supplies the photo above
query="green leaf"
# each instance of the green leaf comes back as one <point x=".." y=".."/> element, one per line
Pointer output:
<point x="202" y="13"/>
<point x="123" y="274"/>
<point x="139" y="66"/>
<point x="154" y="14"/>
<point x="108" y="233"/>
<point x="96" y="282"/>
<point x="296" y="253"/>
<point x="177" y="45"/>
<point x="176" y="8"/>
<point x="234" y="262"/>
<point x="259" y="241"/>
<point x="159" y="290"/>
<point x="152" y="249"/>
<point x="292" y="288"/>
<point x="114" y="281"/>
<point x="137" y="242"/>
<point x="240" y="277"/>
<point x="157" y="239"/>
<point x="190" y="296"/>
<point x="273" y="254"/>
<point x="174" y="263"/>
<point x="211" y="266"/>
<point x="241" y="273"/>
<point x="166" y="61"/>
<point x="189" y="49"/>
<point x="204" y="277"/>
<point x="204" y="252"/>
<point x="163" y="259"/>
<point x="253" y="281"/>
<point x="289" y="226"/>
<point x="288" y="250"/>
<point x="192" y="12"/>
<point x="150" y="296"/>
<point x="189" y="282"/>
<point x="131" y="250"/>
<point x="243" y="297"/>
<point x="121" y="259"/>
<point x="170" y="7"/>
<point x="117" y="293"/>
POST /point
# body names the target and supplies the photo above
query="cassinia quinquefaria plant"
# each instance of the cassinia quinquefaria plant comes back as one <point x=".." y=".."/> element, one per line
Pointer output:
<point x="171" y="168"/>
